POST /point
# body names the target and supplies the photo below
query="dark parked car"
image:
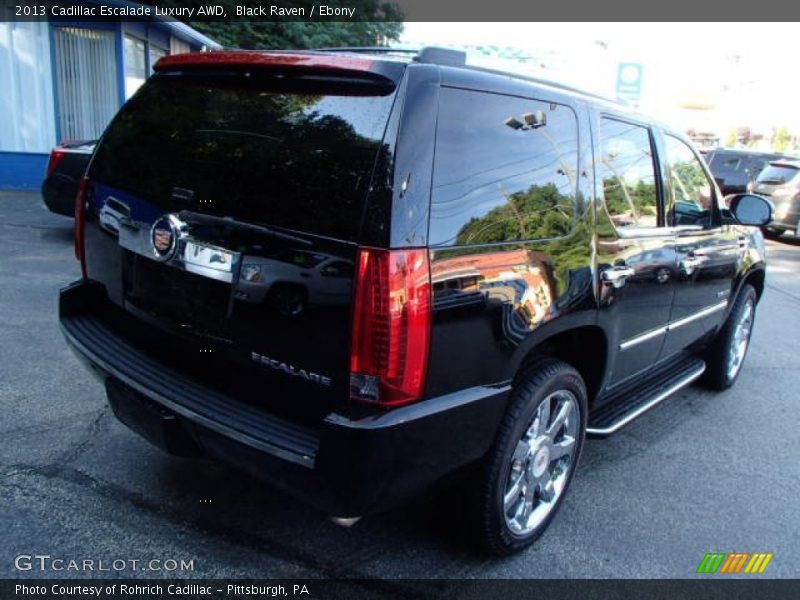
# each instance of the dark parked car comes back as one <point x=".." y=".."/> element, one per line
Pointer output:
<point x="528" y="264"/>
<point x="67" y="164"/>
<point x="735" y="169"/>
<point x="780" y="182"/>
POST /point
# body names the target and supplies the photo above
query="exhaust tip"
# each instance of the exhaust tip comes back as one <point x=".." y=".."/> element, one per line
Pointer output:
<point x="345" y="521"/>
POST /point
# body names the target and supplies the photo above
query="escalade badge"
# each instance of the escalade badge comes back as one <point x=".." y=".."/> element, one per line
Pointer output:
<point x="289" y="369"/>
<point x="164" y="236"/>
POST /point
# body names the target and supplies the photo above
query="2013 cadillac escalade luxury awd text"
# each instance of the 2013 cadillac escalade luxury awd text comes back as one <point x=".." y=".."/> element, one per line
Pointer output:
<point x="357" y="274"/>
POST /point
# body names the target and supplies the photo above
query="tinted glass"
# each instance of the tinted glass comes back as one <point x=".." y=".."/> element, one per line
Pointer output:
<point x="505" y="169"/>
<point x="754" y="166"/>
<point x="777" y="174"/>
<point x="626" y="169"/>
<point x="250" y="149"/>
<point x="691" y="193"/>
<point x="724" y="161"/>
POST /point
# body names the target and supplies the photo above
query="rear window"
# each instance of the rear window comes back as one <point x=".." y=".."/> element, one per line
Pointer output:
<point x="725" y="161"/>
<point x="777" y="174"/>
<point x="756" y="165"/>
<point x="293" y="152"/>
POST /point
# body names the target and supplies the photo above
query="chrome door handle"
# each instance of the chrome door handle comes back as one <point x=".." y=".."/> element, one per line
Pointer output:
<point x="617" y="276"/>
<point x="691" y="263"/>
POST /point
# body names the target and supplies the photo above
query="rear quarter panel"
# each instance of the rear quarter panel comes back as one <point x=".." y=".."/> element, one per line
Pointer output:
<point x="495" y="303"/>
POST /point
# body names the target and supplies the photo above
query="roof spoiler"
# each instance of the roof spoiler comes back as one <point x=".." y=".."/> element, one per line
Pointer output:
<point x="319" y="63"/>
<point x="256" y="59"/>
<point x="320" y="59"/>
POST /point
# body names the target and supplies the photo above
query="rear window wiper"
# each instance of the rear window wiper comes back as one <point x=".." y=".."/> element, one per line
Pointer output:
<point x="194" y="218"/>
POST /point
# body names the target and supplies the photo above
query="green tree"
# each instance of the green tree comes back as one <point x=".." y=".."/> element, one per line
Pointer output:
<point x="540" y="212"/>
<point x="782" y="140"/>
<point x="731" y="139"/>
<point x="379" y="23"/>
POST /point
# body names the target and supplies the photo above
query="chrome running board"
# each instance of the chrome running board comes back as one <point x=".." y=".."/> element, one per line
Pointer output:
<point x="615" y="415"/>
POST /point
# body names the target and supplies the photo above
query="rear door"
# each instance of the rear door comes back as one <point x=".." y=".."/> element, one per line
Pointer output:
<point x="636" y="251"/>
<point x="227" y="206"/>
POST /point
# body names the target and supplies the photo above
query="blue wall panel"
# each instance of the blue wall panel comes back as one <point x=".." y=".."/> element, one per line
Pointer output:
<point x="22" y="170"/>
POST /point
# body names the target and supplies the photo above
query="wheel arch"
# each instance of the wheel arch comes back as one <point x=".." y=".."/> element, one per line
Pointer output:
<point x="584" y="347"/>
<point x="756" y="278"/>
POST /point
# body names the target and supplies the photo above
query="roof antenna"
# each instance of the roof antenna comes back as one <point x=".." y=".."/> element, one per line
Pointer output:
<point x="442" y="56"/>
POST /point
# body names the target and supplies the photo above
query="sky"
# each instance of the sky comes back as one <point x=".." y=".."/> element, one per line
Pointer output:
<point x="740" y="74"/>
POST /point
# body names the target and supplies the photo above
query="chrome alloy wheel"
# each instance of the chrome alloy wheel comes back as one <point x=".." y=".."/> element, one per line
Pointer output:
<point x="741" y="338"/>
<point x="541" y="462"/>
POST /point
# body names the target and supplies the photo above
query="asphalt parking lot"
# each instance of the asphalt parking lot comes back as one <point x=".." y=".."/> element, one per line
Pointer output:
<point x="701" y="473"/>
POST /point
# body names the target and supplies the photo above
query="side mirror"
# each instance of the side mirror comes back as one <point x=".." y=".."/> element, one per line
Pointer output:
<point x="749" y="209"/>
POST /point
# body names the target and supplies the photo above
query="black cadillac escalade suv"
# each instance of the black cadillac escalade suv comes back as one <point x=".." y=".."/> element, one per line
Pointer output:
<point x="358" y="273"/>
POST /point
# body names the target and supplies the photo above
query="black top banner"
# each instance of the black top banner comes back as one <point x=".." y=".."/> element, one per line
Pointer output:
<point x="391" y="11"/>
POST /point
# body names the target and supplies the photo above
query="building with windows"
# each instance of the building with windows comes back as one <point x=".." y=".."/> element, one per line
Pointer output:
<point x="64" y="80"/>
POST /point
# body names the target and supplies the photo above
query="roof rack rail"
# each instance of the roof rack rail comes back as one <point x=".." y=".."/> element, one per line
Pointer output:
<point x="369" y="49"/>
<point x="429" y="54"/>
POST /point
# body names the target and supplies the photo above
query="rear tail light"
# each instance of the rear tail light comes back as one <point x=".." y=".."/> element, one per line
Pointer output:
<point x="56" y="156"/>
<point x="80" y="222"/>
<point x="391" y="326"/>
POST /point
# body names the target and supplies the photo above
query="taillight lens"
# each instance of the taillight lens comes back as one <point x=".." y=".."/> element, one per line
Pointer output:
<point x="56" y="156"/>
<point x="80" y="221"/>
<point x="391" y="326"/>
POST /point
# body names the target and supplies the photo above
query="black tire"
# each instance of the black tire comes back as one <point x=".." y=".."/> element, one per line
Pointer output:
<point x="537" y="383"/>
<point x="718" y="375"/>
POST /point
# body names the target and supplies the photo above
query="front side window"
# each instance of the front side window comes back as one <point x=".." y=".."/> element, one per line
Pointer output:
<point x="627" y="172"/>
<point x="691" y="192"/>
<point x="505" y="169"/>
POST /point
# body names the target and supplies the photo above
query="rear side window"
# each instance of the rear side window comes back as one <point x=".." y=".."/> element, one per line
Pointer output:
<point x="294" y="154"/>
<point x="777" y="174"/>
<point x="504" y="170"/>
<point x="627" y="172"/>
